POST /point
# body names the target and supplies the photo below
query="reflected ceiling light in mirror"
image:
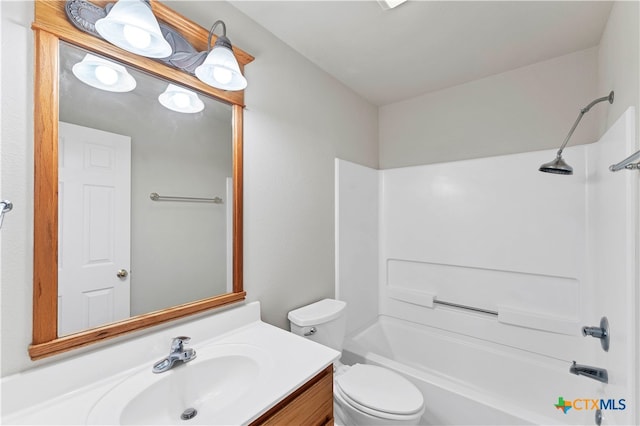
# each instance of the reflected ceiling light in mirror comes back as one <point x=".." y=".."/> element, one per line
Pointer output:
<point x="220" y="69"/>
<point x="103" y="74"/>
<point x="131" y="25"/>
<point x="390" y="4"/>
<point x="179" y="99"/>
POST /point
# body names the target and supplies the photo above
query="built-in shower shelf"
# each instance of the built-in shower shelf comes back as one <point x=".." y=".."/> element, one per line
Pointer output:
<point x="504" y="314"/>
<point x="538" y="321"/>
<point x="414" y="297"/>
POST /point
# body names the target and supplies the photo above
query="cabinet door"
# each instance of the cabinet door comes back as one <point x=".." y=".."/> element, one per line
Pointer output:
<point x="311" y="404"/>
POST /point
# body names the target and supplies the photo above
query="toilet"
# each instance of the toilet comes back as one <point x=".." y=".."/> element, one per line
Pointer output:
<point x="363" y="394"/>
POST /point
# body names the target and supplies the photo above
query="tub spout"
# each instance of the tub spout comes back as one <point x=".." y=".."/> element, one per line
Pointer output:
<point x="595" y="373"/>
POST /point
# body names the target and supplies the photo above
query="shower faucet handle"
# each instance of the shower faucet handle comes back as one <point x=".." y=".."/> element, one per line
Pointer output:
<point x="601" y="333"/>
<point x="597" y="332"/>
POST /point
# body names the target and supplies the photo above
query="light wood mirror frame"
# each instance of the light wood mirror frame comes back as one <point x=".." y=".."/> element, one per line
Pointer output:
<point x="50" y="27"/>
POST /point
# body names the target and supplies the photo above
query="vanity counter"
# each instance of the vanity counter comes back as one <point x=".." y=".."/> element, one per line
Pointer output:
<point x="57" y="393"/>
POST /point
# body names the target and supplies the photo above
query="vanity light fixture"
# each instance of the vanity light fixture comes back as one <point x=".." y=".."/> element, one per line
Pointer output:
<point x="103" y="74"/>
<point x="179" y="99"/>
<point x="131" y="25"/>
<point x="220" y="69"/>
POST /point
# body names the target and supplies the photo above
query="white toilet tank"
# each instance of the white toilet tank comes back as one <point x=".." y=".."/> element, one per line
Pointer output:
<point x="324" y="322"/>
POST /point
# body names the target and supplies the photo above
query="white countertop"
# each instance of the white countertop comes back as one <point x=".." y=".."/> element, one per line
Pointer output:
<point x="57" y="393"/>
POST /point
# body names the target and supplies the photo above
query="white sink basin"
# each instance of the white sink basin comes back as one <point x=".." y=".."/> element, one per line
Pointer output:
<point x="218" y="377"/>
<point x="243" y="368"/>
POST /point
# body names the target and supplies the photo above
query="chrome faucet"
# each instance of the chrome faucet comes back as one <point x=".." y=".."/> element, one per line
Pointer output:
<point x="601" y="333"/>
<point x="177" y="353"/>
<point x="595" y="373"/>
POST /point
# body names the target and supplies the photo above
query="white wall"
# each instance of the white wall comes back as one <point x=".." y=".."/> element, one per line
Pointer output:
<point x="527" y="109"/>
<point x="297" y="120"/>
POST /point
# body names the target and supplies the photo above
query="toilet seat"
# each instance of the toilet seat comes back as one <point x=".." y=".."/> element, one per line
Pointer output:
<point x="379" y="392"/>
<point x="346" y="401"/>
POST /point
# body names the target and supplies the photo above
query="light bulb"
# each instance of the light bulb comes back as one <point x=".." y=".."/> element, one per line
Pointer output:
<point x="181" y="100"/>
<point x="137" y="37"/>
<point x="222" y="75"/>
<point x="106" y="75"/>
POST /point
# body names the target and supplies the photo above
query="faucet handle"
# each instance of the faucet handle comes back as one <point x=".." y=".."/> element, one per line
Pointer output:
<point x="601" y="333"/>
<point x="178" y="342"/>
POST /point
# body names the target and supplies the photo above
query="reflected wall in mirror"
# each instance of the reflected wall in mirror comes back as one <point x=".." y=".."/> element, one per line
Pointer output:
<point x="169" y="245"/>
<point x="121" y="253"/>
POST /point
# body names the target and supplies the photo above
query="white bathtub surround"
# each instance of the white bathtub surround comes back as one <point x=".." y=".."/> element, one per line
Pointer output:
<point x="65" y="392"/>
<point x="356" y="192"/>
<point x="613" y="252"/>
<point x="541" y="255"/>
<point x="494" y="234"/>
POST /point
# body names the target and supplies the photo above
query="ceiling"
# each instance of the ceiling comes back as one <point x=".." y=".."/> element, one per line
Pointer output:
<point x="422" y="46"/>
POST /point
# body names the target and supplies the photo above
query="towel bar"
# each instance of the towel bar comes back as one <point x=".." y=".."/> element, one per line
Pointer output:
<point x="156" y="197"/>
<point x="468" y="308"/>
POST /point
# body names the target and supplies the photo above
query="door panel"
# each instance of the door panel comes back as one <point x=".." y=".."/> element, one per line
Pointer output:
<point x="94" y="227"/>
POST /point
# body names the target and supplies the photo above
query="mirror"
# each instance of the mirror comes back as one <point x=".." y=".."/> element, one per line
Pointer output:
<point x="174" y="242"/>
<point x="121" y="251"/>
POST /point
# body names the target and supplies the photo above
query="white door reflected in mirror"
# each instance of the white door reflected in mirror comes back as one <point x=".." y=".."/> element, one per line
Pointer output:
<point x="94" y="192"/>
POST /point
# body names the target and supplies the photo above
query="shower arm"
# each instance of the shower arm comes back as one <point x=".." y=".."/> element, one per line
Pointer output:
<point x="583" y="111"/>
<point x="627" y="163"/>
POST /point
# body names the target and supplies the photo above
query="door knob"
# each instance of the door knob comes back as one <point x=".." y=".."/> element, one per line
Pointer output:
<point x="122" y="273"/>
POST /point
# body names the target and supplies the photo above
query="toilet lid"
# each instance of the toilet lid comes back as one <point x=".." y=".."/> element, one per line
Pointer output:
<point x="380" y="389"/>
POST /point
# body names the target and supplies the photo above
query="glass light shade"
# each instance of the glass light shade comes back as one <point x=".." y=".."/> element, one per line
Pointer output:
<point x="179" y="99"/>
<point x="221" y="70"/>
<point x="132" y="26"/>
<point x="390" y="4"/>
<point x="103" y="74"/>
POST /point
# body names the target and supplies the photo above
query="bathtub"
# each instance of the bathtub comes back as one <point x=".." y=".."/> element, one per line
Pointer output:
<point x="465" y="381"/>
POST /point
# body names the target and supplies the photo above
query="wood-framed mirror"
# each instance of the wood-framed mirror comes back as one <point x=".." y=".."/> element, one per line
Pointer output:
<point x="52" y="30"/>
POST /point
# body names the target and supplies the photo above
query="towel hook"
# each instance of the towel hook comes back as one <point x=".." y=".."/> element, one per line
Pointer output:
<point x="7" y="206"/>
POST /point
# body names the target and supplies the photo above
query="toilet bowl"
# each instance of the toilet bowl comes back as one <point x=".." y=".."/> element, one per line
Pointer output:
<point x="371" y="395"/>
<point x="363" y="394"/>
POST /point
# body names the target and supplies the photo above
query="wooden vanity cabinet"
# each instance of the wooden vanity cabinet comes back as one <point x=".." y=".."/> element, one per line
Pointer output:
<point x="311" y="404"/>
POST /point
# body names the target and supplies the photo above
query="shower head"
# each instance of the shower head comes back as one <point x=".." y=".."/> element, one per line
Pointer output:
<point x="558" y="166"/>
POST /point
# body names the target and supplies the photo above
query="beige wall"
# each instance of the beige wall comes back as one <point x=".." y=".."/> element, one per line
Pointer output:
<point x="526" y="109"/>
<point x="17" y="184"/>
<point x="618" y="57"/>
<point x="297" y="120"/>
